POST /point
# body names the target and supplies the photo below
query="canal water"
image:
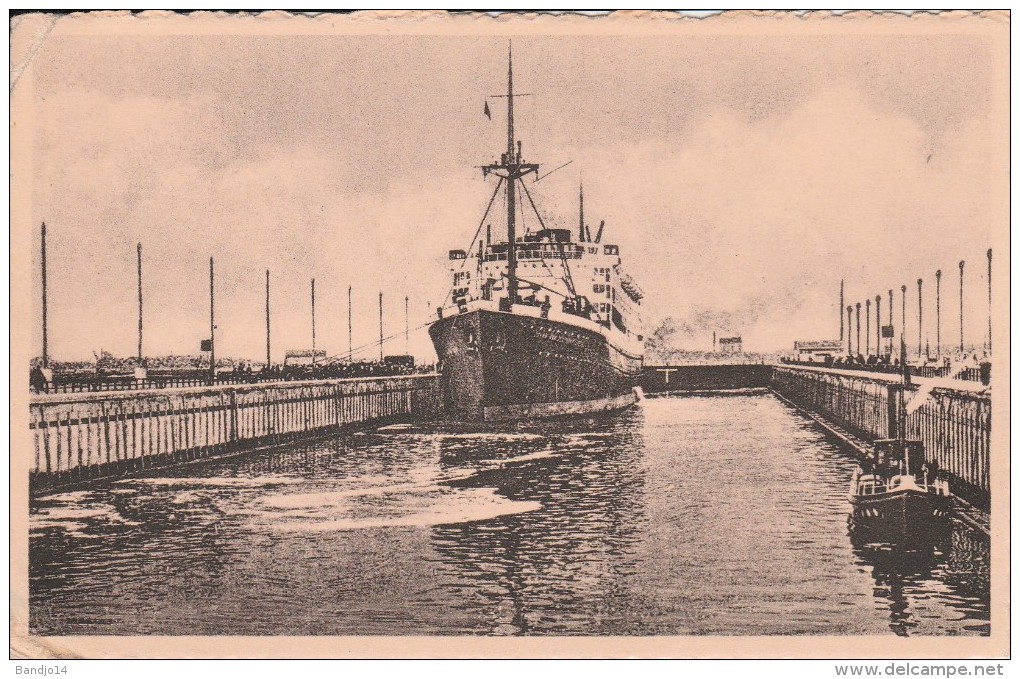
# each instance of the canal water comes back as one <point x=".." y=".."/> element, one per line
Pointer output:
<point x="683" y="516"/>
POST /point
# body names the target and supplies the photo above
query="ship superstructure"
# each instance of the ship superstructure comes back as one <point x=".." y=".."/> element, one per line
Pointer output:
<point x="550" y="325"/>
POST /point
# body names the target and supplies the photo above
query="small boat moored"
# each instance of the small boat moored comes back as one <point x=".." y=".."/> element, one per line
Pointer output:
<point x="897" y="495"/>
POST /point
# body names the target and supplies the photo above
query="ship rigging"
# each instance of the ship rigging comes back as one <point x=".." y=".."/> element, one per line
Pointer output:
<point x="506" y="350"/>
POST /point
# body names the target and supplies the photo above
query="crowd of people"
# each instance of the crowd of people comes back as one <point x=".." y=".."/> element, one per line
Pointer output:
<point x="189" y="371"/>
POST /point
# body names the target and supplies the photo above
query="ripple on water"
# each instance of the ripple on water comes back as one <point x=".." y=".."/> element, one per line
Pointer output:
<point x="684" y="516"/>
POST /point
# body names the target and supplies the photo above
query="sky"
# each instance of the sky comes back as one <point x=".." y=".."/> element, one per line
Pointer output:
<point x="742" y="176"/>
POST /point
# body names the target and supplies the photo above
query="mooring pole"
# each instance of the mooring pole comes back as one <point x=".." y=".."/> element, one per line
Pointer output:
<point x="269" y="354"/>
<point x="962" y="262"/>
<point x="212" y="324"/>
<point x="45" y="312"/>
<point x="139" y="304"/>
<point x="938" y="313"/>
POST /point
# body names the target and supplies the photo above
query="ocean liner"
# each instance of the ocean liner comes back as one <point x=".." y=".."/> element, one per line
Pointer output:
<point x="537" y="323"/>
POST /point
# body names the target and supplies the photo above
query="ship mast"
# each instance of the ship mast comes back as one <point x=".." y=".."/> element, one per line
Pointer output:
<point x="512" y="167"/>
<point x="580" y="224"/>
<point x="901" y="410"/>
<point x="511" y="186"/>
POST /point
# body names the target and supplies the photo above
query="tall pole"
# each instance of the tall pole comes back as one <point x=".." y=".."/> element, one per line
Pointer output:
<point x="841" y="310"/>
<point x="962" y="262"/>
<point x="46" y="347"/>
<point x="269" y="355"/>
<point x="511" y="185"/>
<point x="313" y="322"/>
<point x="938" y="313"/>
<point x="858" y="327"/>
<point x="903" y="318"/>
<point x="890" y="324"/>
<point x="580" y="223"/>
<point x="406" y="330"/>
<point x="878" y="324"/>
<point x="867" y="327"/>
<point x="920" y="316"/>
<point x="212" y="324"/>
<point x="849" y="326"/>
<point x="139" y="303"/>
<point x="350" y="326"/>
<point x="989" y="301"/>
<point x="380" y="329"/>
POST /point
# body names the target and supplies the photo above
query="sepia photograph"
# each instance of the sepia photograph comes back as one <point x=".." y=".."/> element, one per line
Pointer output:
<point x="452" y="334"/>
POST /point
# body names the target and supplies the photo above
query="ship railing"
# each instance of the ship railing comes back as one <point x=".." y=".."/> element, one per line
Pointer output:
<point x="872" y="484"/>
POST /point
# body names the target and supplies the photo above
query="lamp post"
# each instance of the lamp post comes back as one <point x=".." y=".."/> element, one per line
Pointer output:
<point x="849" y="326"/>
<point x="989" y="301"/>
<point x="268" y="353"/>
<point x="903" y="317"/>
<point x="841" y="329"/>
<point x="212" y="324"/>
<point x="878" y="324"/>
<point x="920" y="316"/>
<point x="313" y="322"/>
<point x="858" y="327"/>
<point x="962" y="262"/>
<point x="890" y="324"/>
<point x="45" y="313"/>
<point x="139" y="304"/>
<point x="938" y="313"/>
<point x="867" y="327"/>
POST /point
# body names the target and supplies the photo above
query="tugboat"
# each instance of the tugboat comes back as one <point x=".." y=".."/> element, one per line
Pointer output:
<point x="537" y="323"/>
<point x="898" y="497"/>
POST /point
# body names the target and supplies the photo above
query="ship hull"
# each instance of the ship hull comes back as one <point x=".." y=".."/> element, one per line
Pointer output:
<point x="900" y="517"/>
<point x="504" y="366"/>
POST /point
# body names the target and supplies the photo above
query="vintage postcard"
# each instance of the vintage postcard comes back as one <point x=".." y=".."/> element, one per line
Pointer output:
<point x="426" y="334"/>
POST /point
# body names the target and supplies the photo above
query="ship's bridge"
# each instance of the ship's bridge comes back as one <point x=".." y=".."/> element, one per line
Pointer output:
<point x="581" y="277"/>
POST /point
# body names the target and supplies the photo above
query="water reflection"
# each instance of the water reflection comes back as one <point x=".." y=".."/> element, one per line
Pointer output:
<point x="554" y="571"/>
<point x="684" y="516"/>
<point x="915" y="583"/>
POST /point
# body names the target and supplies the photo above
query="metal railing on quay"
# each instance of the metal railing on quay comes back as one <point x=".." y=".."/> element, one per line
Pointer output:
<point x="970" y="374"/>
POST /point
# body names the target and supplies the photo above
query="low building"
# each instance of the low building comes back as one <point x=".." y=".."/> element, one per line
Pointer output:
<point x="303" y="357"/>
<point x="731" y="345"/>
<point x="818" y="350"/>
